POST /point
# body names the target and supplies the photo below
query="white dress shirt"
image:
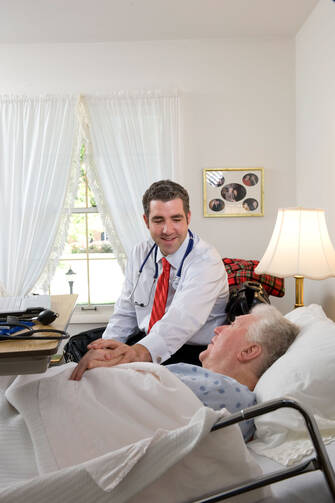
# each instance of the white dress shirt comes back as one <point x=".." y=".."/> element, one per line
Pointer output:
<point x="194" y="307"/>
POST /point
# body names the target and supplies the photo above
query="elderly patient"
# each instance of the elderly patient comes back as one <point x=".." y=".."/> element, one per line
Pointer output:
<point x="233" y="362"/>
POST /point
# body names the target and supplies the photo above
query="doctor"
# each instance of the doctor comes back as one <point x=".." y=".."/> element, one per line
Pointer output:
<point x="175" y="289"/>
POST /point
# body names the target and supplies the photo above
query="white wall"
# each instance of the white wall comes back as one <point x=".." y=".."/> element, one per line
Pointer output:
<point x="239" y="110"/>
<point x="315" y="122"/>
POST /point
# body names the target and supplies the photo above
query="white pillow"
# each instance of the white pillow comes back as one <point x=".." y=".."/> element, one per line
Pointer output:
<point x="305" y="373"/>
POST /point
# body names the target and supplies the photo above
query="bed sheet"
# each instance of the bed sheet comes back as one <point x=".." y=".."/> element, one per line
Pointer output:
<point x="45" y="418"/>
<point x="19" y="464"/>
<point x="305" y="488"/>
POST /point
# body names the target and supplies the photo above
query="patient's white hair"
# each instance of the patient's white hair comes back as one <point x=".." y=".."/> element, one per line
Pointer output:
<point x="273" y="332"/>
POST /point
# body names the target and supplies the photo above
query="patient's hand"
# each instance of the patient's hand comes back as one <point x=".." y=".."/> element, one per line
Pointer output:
<point x="110" y="353"/>
<point x="93" y="358"/>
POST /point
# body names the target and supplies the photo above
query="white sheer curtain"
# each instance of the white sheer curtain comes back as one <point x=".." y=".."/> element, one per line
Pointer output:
<point x="38" y="142"/>
<point x="135" y="141"/>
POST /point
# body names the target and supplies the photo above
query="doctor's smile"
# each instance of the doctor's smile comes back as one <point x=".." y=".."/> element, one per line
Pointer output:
<point x="168" y="224"/>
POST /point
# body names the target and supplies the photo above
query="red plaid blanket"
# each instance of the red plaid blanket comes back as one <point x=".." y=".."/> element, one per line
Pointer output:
<point x="240" y="270"/>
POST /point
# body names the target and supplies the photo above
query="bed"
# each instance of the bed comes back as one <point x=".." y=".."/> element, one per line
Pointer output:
<point x="310" y="487"/>
<point x="53" y="448"/>
<point x="315" y="487"/>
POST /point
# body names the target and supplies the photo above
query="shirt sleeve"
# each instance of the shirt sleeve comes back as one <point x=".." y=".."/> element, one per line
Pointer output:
<point x="204" y="279"/>
<point x="123" y="321"/>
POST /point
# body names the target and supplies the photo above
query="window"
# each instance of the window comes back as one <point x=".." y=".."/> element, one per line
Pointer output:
<point x="88" y="266"/>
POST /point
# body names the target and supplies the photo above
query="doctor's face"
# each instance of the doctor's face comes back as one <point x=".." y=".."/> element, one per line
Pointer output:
<point x="167" y="224"/>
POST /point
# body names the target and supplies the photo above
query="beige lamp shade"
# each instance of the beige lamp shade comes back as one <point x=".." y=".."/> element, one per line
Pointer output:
<point x="299" y="246"/>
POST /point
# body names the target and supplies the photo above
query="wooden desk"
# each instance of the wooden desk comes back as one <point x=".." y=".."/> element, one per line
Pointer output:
<point x="30" y="357"/>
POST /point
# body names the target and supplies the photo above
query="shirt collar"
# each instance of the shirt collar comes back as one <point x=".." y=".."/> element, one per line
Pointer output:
<point x="175" y="258"/>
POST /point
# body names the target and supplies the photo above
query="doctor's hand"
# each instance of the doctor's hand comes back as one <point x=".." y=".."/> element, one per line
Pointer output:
<point x="120" y="352"/>
<point x="113" y="353"/>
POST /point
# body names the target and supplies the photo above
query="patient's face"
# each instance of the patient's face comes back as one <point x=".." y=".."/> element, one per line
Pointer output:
<point x="220" y="355"/>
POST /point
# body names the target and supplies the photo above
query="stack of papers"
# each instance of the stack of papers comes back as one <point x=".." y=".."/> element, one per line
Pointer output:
<point x="16" y="304"/>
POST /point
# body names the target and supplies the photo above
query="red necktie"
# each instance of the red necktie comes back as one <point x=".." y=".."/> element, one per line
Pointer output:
<point x="161" y="293"/>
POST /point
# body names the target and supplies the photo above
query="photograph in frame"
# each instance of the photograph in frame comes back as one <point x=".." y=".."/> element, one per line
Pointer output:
<point x="233" y="192"/>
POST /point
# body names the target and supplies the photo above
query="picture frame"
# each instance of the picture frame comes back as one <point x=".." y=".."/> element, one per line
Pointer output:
<point x="233" y="192"/>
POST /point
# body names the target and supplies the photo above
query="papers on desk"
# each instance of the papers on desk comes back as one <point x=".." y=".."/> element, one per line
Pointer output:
<point x="20" y="303"/>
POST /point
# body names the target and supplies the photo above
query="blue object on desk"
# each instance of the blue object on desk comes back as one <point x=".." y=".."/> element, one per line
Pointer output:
<point x="12" y="330"/>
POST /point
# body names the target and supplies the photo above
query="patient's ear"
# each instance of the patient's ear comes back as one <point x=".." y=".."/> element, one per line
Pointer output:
<point x="248" y="353"/>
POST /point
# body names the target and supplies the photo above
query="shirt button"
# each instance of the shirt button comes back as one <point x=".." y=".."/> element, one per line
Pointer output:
<point x="159" y="359"/>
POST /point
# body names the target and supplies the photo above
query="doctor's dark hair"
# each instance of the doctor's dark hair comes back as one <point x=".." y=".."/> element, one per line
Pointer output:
<point x="165" y="190"/>
<point x="273" y="332"/>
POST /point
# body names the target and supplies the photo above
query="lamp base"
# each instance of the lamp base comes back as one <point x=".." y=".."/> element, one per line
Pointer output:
<point x="299" y="291"/>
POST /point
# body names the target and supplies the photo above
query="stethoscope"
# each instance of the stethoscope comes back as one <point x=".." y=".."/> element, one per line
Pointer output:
<point x="176" y="280"/>
<point x="29" y="334"/>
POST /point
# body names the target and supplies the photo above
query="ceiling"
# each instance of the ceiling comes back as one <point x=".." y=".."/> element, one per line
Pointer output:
<point x="53" y="21"/>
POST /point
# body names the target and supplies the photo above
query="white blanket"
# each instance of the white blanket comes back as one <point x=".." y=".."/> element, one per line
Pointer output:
<point x="131" y="433"/>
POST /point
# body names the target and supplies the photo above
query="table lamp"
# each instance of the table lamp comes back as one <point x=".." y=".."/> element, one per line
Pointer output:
<point x="299" y="246"/>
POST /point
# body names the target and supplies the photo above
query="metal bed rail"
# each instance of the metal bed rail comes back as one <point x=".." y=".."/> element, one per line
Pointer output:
<point x="321" y="460"/>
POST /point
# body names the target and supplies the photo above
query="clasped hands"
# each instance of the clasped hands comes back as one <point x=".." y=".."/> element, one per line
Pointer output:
<point x="107" y="353"/>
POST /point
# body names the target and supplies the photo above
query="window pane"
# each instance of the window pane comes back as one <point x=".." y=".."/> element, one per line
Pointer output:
<point x="76" y="241"/>
<point x="97" y="238"/>
<point x="80" y="282"/>
<point x="106" y="280"/>
<point x="84" y="199"/>
<point x="80" y="201"/>
<point x="60" y="283"/>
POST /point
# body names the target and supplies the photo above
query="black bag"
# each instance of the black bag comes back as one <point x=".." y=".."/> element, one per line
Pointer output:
<point x="243" y="297"/>
<point x="75" y="349"/>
